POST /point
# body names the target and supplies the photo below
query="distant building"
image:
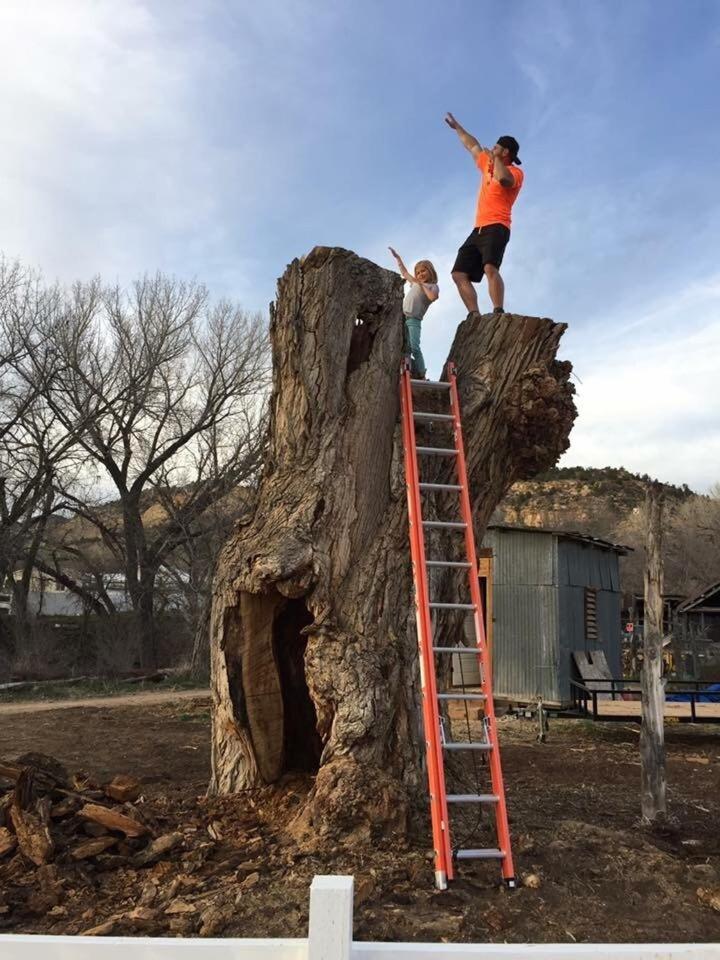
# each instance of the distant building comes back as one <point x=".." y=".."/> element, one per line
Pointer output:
<point x="697" y="631"/>
<point x="47" y="597"/>
<point x="553" y="593"/>
<point x="701" y="614"/>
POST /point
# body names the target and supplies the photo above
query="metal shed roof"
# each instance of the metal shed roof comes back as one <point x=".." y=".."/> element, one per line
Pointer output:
<point x="567" y="535"/>
<point x="697" y="600"/>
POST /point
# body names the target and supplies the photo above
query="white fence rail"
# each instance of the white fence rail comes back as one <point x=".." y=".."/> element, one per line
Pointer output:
<point x="330" y="938"/>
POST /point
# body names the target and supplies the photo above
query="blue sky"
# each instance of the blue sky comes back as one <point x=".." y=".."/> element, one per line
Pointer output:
<point x="218" y="139"/>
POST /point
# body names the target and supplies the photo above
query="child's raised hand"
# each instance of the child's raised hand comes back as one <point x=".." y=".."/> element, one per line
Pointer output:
<point x="394" y="253"/>
<point x="451" y="121"/>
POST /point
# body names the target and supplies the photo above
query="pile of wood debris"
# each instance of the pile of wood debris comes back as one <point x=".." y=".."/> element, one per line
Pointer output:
<point x="95" y="859"/>
<point x="49" y="815"/>
<point x="52" y="821"/>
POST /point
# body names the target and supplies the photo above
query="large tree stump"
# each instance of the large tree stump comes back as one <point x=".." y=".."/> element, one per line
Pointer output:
<point x="313" y="646"/>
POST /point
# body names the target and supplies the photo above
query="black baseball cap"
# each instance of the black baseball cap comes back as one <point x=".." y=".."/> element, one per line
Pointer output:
<point x="513" y="146"/>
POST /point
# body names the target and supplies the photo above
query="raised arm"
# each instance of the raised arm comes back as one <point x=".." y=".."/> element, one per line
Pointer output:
<point x="430" y="289"/>
<point x="467" y="139"/>
<point x="404" y="272"/>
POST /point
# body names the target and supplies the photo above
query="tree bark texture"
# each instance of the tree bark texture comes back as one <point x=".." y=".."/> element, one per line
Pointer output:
<point x="652" y="731"/>
<point x="313" y="646"/>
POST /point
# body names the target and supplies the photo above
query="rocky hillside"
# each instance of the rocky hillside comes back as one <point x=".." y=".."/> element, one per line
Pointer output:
<point x="592" y="500"/>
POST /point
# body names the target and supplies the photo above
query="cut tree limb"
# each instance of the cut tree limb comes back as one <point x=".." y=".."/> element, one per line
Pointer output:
<point x="313" y="648"/>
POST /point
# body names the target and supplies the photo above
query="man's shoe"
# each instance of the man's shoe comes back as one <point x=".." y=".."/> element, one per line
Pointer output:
<point x="499" y="310"/>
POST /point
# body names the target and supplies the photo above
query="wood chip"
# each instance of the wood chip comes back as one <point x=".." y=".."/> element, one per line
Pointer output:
<point x="63" y="808"/>
<point x="103" y="929"/>
<point x="123" y="788"/>
<point x="91" y="848"/>
<point x="364" y="889"/>
<point x="8" y="841"/>
<point x="214" y="829"/>
<point x="93" y="829"/>
<point x="158" y="849"/>
<point x="180" y="906"/>
<point x="148" y="894"/>
<point x="142" y="914"/>
<point x="33" y="836"/>
<point x="113" y="820"/>
<point x="214" y="919"/>
<point x="250" y="881"/>
<point x="710" y="897"/>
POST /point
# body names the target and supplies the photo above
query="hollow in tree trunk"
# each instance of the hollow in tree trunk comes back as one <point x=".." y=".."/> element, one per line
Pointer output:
<point x="313" y="647"/>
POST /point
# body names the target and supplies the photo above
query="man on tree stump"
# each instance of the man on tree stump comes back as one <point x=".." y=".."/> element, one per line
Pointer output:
<point x="482" y="252"/>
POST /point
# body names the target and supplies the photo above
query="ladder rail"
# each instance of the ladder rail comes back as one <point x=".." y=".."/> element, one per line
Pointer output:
<point x="503" y="827"/>
<point x="435" y="765"/>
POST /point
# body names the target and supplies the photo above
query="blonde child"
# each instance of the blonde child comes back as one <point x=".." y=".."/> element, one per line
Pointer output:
<point x="423" y="291"/>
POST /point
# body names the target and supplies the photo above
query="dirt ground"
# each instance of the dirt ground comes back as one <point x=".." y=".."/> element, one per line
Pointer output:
<point x="593" y="873"/>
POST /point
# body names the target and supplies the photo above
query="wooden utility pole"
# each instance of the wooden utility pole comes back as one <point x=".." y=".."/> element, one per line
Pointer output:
<point x="652" y="732"/>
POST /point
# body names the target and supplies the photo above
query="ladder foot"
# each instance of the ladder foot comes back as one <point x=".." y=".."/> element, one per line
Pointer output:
<point x="441" y="880"/>
<point x="510" y="883"/>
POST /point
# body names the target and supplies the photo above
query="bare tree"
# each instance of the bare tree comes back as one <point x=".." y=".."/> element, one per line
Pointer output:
<point x="189" y="569"/>
<point x="33" y="446"/>
<point x="160" y="390"/>
<point x="692" y="547"/>
<point x="691" y="544"/>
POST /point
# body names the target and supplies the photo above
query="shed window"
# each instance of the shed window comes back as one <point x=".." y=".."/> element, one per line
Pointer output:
<point x="591" y="627"/>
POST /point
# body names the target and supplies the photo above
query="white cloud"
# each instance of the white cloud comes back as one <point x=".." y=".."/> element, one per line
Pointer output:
<point x="148" y="134"/>
<point x="651" y="403"/>
<point x="102" y="166"/>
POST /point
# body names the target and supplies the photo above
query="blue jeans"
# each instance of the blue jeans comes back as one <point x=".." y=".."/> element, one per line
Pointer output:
<point x="417" y="365"/>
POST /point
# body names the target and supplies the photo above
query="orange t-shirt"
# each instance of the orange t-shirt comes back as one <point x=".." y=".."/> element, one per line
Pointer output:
<point x="495" y="201"/>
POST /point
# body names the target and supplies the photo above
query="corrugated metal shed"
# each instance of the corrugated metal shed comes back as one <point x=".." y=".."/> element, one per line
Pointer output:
<point x="541" y="578"/>
<point x="526" y="613"/>
<point x="522" y="557"/>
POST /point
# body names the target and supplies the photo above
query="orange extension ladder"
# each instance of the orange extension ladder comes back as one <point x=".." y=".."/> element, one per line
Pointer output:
<point x="435" y="740"/>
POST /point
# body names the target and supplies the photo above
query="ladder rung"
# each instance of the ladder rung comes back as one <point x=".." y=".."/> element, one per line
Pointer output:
<point x="452" y="606"/>
<point x="467" y="745"/>
<point x="461" y="650"/>
<point x="462" y="696"/>
<point x="444" y="524"/>
<point x="448" y="563"/>
<point x="440" y="486"/>
<point x="439" y="451"/>
<point x="425" y="415"/>
<point x="472" y="798"/>
<point x="488" y="854"/>
<point x="431" y="384"/>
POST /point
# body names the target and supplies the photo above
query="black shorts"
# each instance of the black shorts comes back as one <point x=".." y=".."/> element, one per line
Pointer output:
<point x="484" y="245"/>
